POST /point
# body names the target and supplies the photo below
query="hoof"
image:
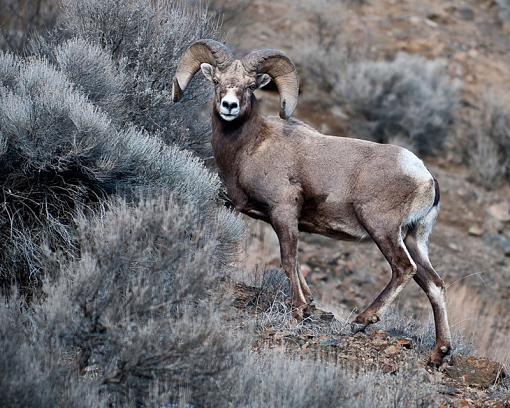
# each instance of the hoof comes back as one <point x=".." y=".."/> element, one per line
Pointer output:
<point x="297" y="315"/>
<point x="357" y="327"/>
<point x="309" y="310"/>
<point x="298" y="312"/>
<point x="439" y="356"/>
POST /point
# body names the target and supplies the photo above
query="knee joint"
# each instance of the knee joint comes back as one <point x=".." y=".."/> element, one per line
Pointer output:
<point x="406" y="272"/>
<point x="436" y="290"/>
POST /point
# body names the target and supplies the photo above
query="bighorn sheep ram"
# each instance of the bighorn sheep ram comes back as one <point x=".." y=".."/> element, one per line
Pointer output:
<point x="284" y="172"/>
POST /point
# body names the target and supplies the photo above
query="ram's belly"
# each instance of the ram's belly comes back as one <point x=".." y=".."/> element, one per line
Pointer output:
<point x="333" y="220"/>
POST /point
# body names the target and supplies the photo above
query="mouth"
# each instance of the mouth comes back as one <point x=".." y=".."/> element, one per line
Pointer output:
<point x="228" y="116"/>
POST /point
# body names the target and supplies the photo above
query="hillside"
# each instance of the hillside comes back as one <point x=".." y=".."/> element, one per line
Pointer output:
<point x="470" y="245"/>
<point x="126" y="281"/>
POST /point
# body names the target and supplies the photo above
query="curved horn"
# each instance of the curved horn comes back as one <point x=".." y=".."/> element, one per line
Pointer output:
<point x="210" y="51"/>
<point x="279" y="67"/>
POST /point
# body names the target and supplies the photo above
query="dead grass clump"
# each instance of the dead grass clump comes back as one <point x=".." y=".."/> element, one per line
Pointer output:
<point x="275" y="380"/>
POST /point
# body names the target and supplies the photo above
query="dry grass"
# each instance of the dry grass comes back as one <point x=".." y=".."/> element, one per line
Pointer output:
<point x="482" y="323"/>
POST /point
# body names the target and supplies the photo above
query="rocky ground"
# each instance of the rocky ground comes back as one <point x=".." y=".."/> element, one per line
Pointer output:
<point x="470" y="245"/>
<point x="463" y="381"/>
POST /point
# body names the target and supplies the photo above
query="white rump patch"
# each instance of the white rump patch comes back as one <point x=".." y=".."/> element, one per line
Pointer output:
<point x="413" y="166"/>
<point x="421" y="204"/>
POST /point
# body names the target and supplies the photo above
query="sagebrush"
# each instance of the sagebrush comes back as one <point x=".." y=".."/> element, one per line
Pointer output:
<point x="488" y="152"/>
<point x="85" y="118"/>
<point x="410" y="98"/>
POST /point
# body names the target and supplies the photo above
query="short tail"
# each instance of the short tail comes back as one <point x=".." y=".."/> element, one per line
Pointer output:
<point x="437" y="196"/>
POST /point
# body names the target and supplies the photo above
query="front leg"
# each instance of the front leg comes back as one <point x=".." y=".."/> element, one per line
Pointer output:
<point x="285" y="223"/>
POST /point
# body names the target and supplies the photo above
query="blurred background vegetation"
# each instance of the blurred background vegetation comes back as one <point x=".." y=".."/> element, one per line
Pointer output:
<point x="120" y="267"/>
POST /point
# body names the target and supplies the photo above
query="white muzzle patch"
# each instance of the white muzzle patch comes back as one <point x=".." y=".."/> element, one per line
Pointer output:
<point x="229" y="105"/>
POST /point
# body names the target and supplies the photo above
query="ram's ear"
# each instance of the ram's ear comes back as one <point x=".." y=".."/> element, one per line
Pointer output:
<point x="263" y="80"/>
<point x="207" y="70"/>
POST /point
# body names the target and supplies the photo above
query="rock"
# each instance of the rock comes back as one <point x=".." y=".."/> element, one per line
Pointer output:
<point x="405" y="343"/>
<point x="379" y="334"/>
<point x="389" y="368"/>
<point x="476" y="231"/>
<point x="453" y="246"/>
<point x="431" y="23"/>
<point x="415" y="20"/>
<point x="447" y="390"/>
<point x="466" y="14"/>
<point x="460" y="56"/>
<point x="500" y="211"/>
<point x="473" y="53"/>
<point x="329" y="343"/>
<point x="475" y="372"/>
<point x="320" y="276"/>
<point x="393" y="350"/>
<point x="501" y="241"/>
<point x="325" y="316"/>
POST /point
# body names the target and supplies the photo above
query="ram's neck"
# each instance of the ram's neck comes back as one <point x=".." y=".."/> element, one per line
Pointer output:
<point x="231" y="139"/>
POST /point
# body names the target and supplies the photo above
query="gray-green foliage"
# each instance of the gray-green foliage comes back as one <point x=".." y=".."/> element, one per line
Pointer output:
<point x="132" y="314"/>
<point x="123" y="56"/>
<point x="488" y="152"/>
<point x="32" y="372"/>
<point x="410" y="98"/>
<point x="84" y="117"/>
<point x="504" y="9"/>
<point x="61" y="152"/>
<point x="113" y="235"/>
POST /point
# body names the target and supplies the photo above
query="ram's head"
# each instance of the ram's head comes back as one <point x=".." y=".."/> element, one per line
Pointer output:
<point x="235" y="80"/>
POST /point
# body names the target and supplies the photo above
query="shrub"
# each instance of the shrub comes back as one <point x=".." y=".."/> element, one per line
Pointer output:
<point x="61" y="153"/>
<point x="128" y="52"/>
<point x="20" y="19"/>
<point x="135" y="320"/>
<point x="489" y="150"/>
<point x="69" y="120"/>
<point x="33" y="374"/>
<point x="274" y="312"/>
<point x="410" y="98"/>
<point x="503" y="9"/>
<point x="140" y="305"/>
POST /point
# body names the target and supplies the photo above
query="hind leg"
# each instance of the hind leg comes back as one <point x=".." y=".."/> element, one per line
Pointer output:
<point x="304" y="286"/>
<point x="389" y="240"/>
<point x="431" y="283"/>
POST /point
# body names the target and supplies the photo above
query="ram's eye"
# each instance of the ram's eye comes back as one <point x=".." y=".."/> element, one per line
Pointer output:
<point x="253" y="86"/>
<point x="215" y="81"/>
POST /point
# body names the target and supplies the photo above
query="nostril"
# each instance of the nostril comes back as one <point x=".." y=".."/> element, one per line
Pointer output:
<point x="233" y="105"/>
<point x="225" y="104"/>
